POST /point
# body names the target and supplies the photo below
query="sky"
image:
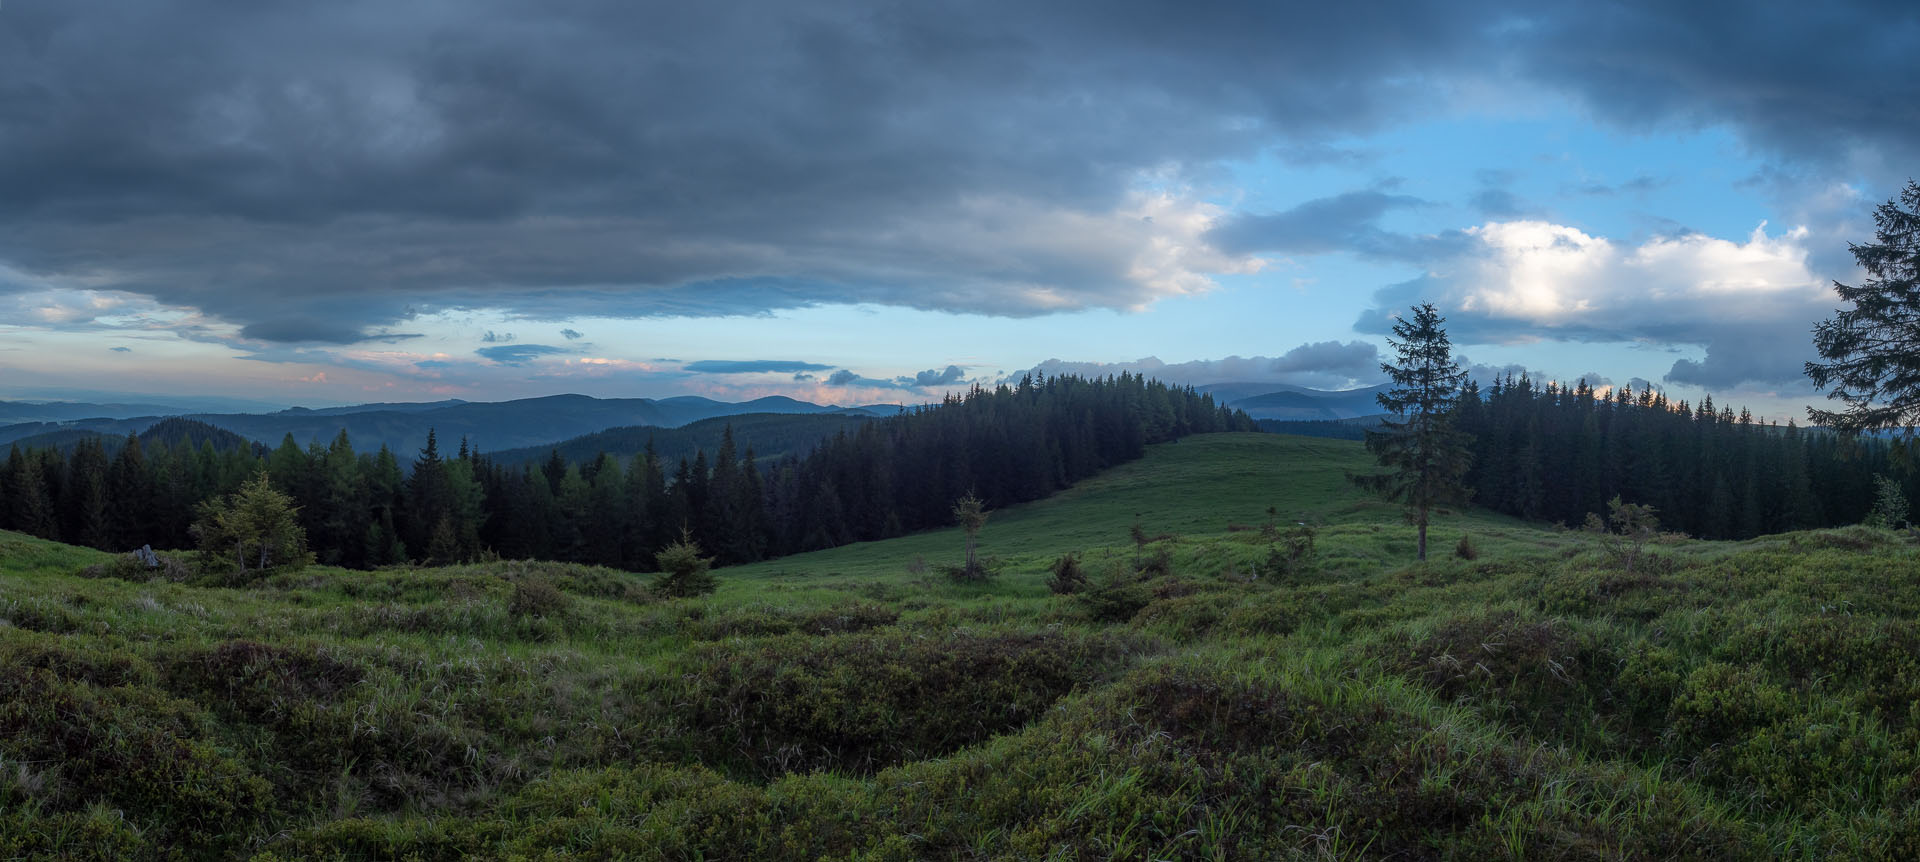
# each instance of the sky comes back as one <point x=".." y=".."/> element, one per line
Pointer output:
<point x="879" y="202"/>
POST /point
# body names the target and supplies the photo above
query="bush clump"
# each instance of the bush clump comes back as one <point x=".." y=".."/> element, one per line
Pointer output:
<point x="683" y="572"/>
<point x="536" y="598"/>
<point x="1067" y="575"/>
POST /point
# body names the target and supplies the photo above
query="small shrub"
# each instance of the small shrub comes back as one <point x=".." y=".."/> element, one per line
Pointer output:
<point x="843" y="619"/>
<point x="1625" y="532"/>
<point x="1116" y="600"/>
<point x="683" y="572"/>
<point x="250" y="534"/>
<point x="1889" y="504"/>
<point x="971" y="514"/>
<point x="536" y="597"/>
<point x="1159" y="565"/>
<point x="1465" y="549"/>
<point x="917" y="565"/>
<point x="1721" y="703"/>
<point x="1068" y="575"/>
<point x="1288" y="555"/>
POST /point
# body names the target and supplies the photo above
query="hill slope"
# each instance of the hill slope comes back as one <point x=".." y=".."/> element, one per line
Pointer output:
<point x="1743" y="700"/>
<point x="769" y="435"/>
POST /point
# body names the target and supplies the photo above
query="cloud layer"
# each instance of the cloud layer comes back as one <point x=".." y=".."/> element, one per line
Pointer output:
<point x="1321" y="365"/>
<point x="324" y="173"/>
<point x="1749" y="303"/>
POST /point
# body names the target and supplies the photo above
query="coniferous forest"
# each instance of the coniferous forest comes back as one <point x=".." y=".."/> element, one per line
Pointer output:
<point x="1556" y="453"/>
<point x="448" y="504"/>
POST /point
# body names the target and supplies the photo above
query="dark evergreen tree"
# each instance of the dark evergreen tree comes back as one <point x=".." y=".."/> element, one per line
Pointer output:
<point x="1428" y="458"/>
<point x="1872" y="350"/>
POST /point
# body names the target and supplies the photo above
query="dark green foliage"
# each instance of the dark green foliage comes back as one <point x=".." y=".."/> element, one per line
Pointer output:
<point x="683" y="572"/>
<point x="251" y="534"/>
<point x="1558" y="453"/>
<point x="1625" y="532"/>
<point x="1465" y="549"/>
<point x="536" y="597"/>
<point x="1066" y="575"/>
<point x="1288" y="556"/>
<point x="1115" y="598"/>
<point x="1889" y="504"/>
<point x="131" y="748"/>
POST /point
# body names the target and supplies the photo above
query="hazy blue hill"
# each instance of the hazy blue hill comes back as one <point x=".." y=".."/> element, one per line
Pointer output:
<point x="1283" y="401"/>
<point x="171" y="431"/>
<point x="176" y="430"/>
<point x="770" y="435"/>
<point x="491" y="425"/>
<point x="381" y="407"/>
<point x="65" y="434"/>
<point x="64" y="439"/>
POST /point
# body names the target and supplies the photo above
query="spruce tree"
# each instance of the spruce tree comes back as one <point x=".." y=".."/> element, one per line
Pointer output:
<point x="1428" y="457"/>
<point x="1873" y="349"/>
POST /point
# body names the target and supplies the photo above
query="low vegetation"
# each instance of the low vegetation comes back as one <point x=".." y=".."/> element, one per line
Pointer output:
<point x="1147" y="677"/>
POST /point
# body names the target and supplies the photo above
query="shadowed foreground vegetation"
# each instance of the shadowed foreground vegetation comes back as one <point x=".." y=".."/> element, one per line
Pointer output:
<point x="1222" y="682"/>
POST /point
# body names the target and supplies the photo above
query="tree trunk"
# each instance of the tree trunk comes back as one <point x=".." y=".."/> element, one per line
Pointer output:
<point x="1423" y="540"/>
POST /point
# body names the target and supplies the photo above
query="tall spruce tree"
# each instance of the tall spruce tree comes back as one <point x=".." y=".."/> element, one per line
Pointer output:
<point x="1873" y="349"/>
<point x="1428" y="457"/>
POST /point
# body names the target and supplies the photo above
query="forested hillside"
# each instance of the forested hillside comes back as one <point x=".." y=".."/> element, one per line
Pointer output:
<point x="364" y="509"/>
<point x="1555" y="453"/>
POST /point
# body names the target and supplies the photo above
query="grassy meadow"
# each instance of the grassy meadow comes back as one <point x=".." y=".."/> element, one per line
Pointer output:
<point x="1212" y="688"/>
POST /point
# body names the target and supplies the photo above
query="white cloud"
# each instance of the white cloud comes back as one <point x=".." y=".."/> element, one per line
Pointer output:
<point x="1549" y="275"/>
<point x="1750" y="303"/>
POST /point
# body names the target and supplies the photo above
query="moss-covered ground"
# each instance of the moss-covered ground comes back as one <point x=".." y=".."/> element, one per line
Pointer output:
<point x="1211" y="691"/>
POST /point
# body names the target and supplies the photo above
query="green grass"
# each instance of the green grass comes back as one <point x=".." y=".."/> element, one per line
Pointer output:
<point x="1727" y="700"/>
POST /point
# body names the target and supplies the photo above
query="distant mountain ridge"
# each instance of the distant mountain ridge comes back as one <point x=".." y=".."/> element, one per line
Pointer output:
<point x="403" y="428"/>
<point x="1296" y="403"/>
<point x="769" y="435"/>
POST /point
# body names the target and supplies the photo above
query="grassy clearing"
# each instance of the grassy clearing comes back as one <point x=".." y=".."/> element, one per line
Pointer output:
<point x="1730" y="700"/>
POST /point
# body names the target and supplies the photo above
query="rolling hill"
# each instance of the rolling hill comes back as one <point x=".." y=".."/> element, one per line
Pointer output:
<point x="1206" y="690"/>
<point x="1281" y="401"/>
<point x="769" y="435"/>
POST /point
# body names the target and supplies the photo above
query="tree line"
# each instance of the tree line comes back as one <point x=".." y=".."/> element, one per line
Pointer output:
<point x="1556" y="453"/>
<point x="1007" y="444"/>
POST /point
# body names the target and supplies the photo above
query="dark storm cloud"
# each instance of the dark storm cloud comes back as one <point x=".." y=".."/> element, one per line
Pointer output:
<point x="317" y="172"/>
<point x="923" y="380"/>
<point x="305" y="328"/>
<point x="1319" y="365"/>
<point x="1345" y="222"/>
<point x="636" y="159"/>
<point x="752" y="366"/>
<point x="1738" y="355"/>
<point x="934" y="377"/>
<point x="518" y="354"/>
<point x="1808" y="80"/>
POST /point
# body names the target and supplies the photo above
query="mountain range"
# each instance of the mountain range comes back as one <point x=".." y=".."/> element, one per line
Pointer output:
<point x="617" y="425"/>
<point x="403" y="427"/>
<point x="1281" y="401"/>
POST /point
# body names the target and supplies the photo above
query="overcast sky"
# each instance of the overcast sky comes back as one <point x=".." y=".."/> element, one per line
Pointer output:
<point x="325" y="203"/>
